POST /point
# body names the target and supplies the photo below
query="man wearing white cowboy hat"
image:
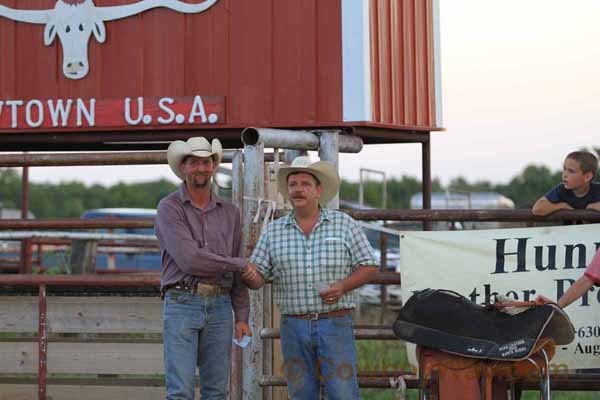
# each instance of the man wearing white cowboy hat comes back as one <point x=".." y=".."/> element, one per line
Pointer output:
<point x="200" y="237"/>
<point x="316" y="258"/>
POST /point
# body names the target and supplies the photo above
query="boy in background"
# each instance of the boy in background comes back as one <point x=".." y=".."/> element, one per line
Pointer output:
<point x="577" y="191"/>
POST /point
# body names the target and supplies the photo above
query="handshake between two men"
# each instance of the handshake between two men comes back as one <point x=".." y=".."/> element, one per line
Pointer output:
<point x="330" y="294"/>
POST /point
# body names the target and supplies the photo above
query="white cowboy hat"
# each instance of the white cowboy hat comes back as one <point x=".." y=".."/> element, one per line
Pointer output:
<point x="196" y="146"/>
<point x="324" y="171"/>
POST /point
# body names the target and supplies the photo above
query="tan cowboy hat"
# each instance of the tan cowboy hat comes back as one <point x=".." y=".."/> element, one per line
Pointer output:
<point x="324" y="171"/>
<point x="196" y="146"/>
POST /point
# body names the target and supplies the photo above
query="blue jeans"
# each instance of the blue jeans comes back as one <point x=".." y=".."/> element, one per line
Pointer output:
<point x="197" y="331"/>
<point x="316" y="353"/>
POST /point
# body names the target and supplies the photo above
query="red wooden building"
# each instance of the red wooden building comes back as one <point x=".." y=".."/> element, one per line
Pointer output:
<point x="77" y="74"/>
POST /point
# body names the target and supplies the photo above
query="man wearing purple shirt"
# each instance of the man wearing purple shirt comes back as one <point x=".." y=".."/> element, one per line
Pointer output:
<point x="201" y="249"/>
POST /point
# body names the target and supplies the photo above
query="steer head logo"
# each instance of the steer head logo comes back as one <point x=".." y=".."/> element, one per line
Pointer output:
<point x="75" y="21"/>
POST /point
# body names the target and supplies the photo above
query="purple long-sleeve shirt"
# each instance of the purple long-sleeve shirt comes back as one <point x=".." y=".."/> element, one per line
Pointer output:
<point x="202" y="245"/>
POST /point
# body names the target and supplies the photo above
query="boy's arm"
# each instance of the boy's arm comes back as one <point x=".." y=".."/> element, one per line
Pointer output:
<point x="593" y="206"/>
<point x="575" y="291"/>
<point x="543" y="206"/>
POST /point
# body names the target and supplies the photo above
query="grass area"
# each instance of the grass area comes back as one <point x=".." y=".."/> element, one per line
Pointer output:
<point x="382" y="356"/>
<point x="389" y="355"/>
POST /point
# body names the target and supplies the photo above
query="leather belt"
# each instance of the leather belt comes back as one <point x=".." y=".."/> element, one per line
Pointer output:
<point x="323" y="315"/>
<point x="202" y="289"/>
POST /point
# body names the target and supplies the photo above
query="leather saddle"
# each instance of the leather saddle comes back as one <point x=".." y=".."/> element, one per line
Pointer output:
<point x="447" y="321"/>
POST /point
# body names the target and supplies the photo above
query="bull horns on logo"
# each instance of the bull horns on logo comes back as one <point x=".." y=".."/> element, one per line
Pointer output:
<point x="74" y="21"/>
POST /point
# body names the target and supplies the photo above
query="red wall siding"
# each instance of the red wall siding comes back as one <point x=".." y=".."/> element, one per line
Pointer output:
<point x="7" y="47"/>
<point x="329" y="56"/>
<point x="403" y="62"/>
<point x="276" y="61"/>
<point x="251" y="51"/>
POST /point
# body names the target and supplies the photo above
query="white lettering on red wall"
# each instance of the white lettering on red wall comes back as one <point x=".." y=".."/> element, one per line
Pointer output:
<point x="16" y="114"/>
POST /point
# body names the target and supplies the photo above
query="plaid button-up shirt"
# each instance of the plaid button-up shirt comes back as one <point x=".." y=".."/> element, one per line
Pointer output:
<point x="335" y="248"/>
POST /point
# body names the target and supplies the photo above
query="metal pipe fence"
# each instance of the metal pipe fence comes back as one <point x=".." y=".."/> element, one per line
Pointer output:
<point x="98" y="158"/>
<point x="255" y="373"/>
<point x="573" y="382"/>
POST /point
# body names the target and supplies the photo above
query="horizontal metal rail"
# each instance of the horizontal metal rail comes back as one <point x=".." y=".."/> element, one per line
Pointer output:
<point x="364" y="215"/>
<point x="472" y="215"/>
<point x="117" y="280"/>
<point x="588" y="382"/>
<point x="297" y="139"/>
<point x="97" y="158"/>
<point x="360" y="333"/>
<point x="18" y="235"/>
<point x="108" y="243"/>
<point x="386" y="278"/>
<point x="70" y="337"/>
<point x="133" y="279"/>
<point x="363" y="381"/>
<point x="88" y="380"/>
<point x="75" y="223"/>
<point x="127" y="250"/>
<point x="118" y="380"/>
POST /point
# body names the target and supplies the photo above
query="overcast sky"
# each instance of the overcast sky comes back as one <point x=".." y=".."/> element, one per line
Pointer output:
<point x="520" y="85"/>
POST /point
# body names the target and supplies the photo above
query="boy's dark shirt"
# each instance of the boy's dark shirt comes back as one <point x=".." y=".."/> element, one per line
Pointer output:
<point x="559" y="194"/>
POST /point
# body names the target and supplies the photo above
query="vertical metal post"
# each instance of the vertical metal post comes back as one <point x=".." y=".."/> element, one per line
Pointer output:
<point x="329" y="150"/>
<point x="383" y="268"/>
<point x="361" y="186"/>
<point x="289" y="155"/>
<point x="40" y="255"/>
<point x="42" y="342"/>
<point x="384" y="205"/>
<point x="25" y="193"/>
<point x="253" y="190"/>
<point x="83" y="256"/>
<point x="26" y="255"/>
<point x="426" y="165"/>
<point x="237" y="182"/>
<point x="237" y="196"/>
<point x="267" y="318"/>
<point x="361" y="192"/>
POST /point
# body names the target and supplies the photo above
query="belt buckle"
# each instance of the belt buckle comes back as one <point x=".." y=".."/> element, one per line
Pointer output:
<point x="205" y="290"/>
<point x="313" y="316"/>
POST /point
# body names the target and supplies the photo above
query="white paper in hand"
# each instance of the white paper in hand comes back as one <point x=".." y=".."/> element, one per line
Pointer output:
<point x="242" y="343"/>
<point x="321" y="286"/>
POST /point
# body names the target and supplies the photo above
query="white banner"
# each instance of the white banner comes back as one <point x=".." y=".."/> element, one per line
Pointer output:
<point x="518" y="263"/>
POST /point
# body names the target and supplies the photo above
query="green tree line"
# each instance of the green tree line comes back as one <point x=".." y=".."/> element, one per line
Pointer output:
<point x="71" y="199"/>
<point x="524" y="189"/>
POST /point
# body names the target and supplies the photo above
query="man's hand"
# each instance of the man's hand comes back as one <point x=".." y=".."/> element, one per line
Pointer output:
<point x="541" y="300"/>
<point x="251" y="277"/>
<point x="241" y="329"/>
<point x="333" y="294"/>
